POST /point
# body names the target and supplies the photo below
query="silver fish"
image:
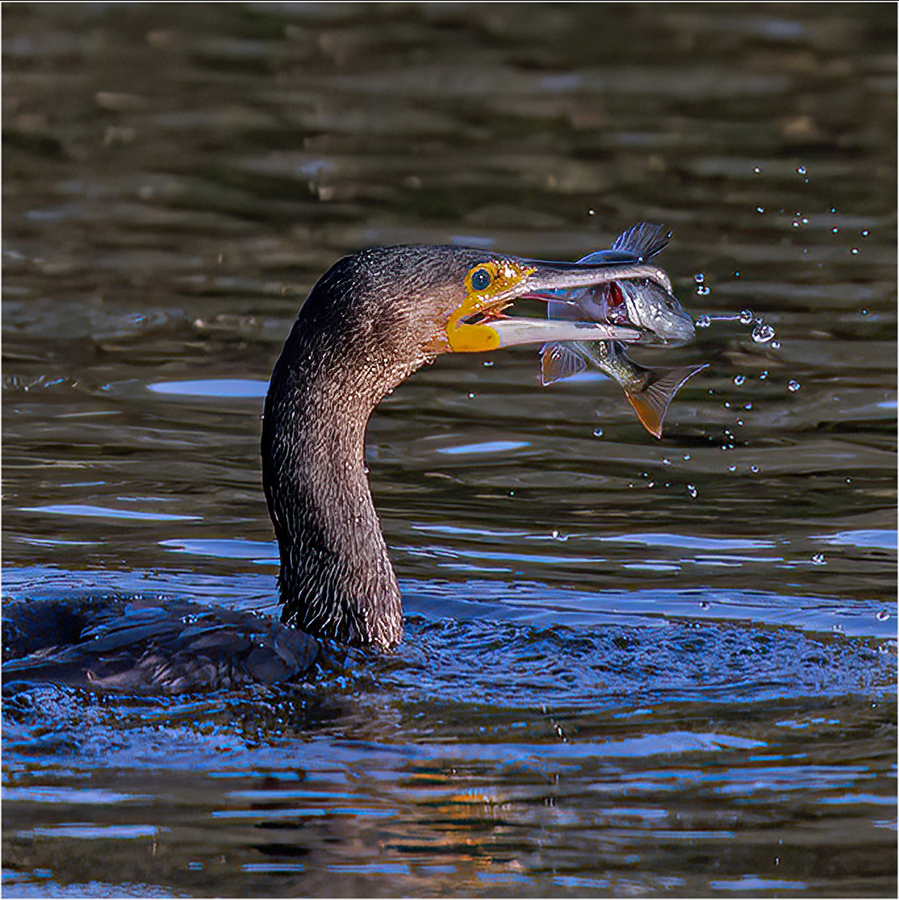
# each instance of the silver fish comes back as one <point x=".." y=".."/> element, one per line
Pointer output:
<point x="646" y="304"/>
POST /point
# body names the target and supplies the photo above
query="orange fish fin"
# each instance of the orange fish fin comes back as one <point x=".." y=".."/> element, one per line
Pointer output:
<point x="558" y="361"/>
<point x="651" y="402"/>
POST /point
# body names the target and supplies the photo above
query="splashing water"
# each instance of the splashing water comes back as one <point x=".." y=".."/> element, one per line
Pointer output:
<point x="762" y="332"/>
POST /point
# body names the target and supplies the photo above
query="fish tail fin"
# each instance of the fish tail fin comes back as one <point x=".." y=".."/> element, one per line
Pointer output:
<point x="558" y="361"/>
<point x="644" y="240"/>
<point x="652" y="400"/>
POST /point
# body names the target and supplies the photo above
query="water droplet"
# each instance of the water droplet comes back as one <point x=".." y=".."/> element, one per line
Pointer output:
<point x="764" y="375"/>
<point x="864" y="312"/>
<point x="736" y="274"/>
<point x="591" y="211"/>
<point x="801" y="170"/>
<point x="754" y="470"/>
<point x="747" y="405"/>
<point x="834" y="230"/>
<point x="739" y="379"/>
<point x="686" y="456"/>
<point x="882" y="616"/>
<point x="699" y="277"/>
<point x="762" y="333"/>
<point x="793" y="385"/>
<point x="756" y="169"/>
<point x="471" y="395"/>
<point x="666" y="461"/>
<point x="650" y="484"/>
<point x="739" y="422"/>
<point x="558" y="536"/>
<point x="818" y="559"/>
<point x="703" y="322"/>
<point x="804" y="221"/>
<point x="703" y="290"/>
<point x="691" y="490"/>
<point x="704" y="604"/>
<point x="731" y="468"/>
<point x="487" y="363"/>
<point x="865" y="233"/>
<point x="597" y="432"/>
<point x="727" y="404"/>
<point x="854" y="251"/>
<point x="775" y="345"/>
<point x="746" y="317"/>
<point x="833" y="209"/>
<point x="760" y="209"/>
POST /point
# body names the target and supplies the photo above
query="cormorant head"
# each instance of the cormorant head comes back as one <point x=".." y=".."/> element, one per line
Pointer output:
<point x="399" y="307"/>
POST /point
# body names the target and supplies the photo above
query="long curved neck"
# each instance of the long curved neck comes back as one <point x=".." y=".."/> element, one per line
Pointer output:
<point x="336" y="579"/>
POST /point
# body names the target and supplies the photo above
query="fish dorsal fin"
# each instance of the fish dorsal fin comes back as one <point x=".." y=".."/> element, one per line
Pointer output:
<point x="651" y="402"/>
<point x="558" y="361"/>
<point x="644" y="240"/>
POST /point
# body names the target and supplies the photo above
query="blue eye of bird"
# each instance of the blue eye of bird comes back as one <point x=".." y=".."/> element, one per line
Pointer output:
<point x="480" y="279"/>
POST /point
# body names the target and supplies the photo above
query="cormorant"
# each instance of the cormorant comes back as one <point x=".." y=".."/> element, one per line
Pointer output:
<point x="370" y="321"/>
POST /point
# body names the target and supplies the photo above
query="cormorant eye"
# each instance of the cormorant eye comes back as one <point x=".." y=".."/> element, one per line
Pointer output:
<point x="480" y="279"/>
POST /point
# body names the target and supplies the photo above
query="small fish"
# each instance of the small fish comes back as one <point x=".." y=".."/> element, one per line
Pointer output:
<point x="649" y="391"/>
<point x="642" y="303"/>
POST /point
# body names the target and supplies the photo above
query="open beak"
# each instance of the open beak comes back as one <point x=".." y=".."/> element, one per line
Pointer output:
<point x="479" y="322"/>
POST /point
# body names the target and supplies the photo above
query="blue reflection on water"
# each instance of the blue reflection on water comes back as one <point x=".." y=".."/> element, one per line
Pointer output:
<point x="213" y="387"/>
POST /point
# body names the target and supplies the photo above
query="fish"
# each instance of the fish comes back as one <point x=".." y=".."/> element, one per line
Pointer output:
<point x="646" y="304"/>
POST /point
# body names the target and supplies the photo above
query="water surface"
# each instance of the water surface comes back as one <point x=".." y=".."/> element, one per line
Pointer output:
<point x="631" y="666"/>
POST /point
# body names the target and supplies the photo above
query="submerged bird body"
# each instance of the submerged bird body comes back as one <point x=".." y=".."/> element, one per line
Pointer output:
<point x="142" y="646"/>
<point x="370" y="321"/>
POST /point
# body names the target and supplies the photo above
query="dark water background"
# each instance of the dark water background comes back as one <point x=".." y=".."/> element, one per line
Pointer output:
<point x="632" y="667"/>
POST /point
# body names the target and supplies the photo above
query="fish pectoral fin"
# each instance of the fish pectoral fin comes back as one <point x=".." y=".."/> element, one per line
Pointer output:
<point x="652" y="400"/>
<point x="558" y="361"/>
<point x="643" y="240"/>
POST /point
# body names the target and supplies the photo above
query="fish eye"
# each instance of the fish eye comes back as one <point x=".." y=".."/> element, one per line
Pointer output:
<point x="481" y="279"/>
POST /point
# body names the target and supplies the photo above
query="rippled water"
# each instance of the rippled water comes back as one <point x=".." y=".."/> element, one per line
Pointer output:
<point x="631" y="666"/>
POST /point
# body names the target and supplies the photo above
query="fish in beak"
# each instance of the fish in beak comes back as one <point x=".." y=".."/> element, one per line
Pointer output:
<point x="643" y="303"/>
